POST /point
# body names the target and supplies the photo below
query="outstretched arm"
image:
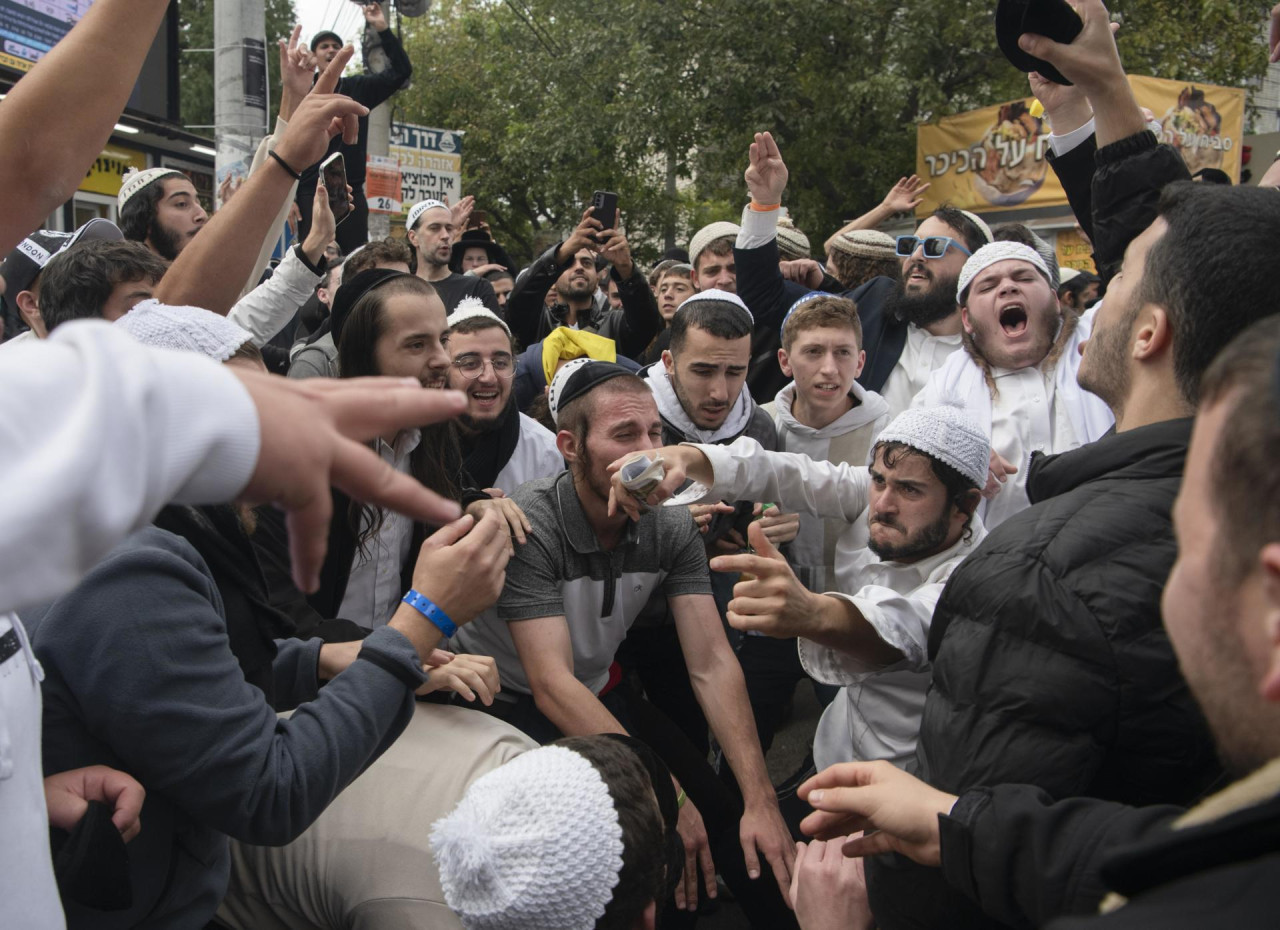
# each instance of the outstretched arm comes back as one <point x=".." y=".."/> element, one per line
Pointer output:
<point x="375" y="87"/>
<point x="56" y="120"/>
<point x="903" y="197"/>
<point x="211" y="270"/>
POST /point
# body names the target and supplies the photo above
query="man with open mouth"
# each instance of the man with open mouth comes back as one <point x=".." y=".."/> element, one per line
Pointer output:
<point x="501" y="447"/>
<point x="1018" y="373"/>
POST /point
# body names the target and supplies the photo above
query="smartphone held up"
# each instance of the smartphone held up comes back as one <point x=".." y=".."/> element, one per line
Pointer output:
<point x="333" y="171"/>
<point x="604" y="207"/>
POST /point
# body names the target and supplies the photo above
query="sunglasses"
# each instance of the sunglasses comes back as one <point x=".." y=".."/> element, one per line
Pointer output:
<point x="934" y="246"/>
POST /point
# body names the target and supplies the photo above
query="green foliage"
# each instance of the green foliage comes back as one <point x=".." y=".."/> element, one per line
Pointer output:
<point x="195" y="68"/>
<point x="560" y="97"/>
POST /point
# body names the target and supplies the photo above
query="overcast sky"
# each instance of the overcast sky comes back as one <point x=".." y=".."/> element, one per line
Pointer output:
<point x="342" y="16"/>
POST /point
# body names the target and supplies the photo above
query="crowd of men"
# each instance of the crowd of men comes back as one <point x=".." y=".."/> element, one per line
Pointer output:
<point x="487" y="614"/>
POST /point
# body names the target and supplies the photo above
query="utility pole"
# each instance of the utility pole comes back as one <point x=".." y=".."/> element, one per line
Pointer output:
<point x="379" y="140"/>
<point x="241" y="92"/>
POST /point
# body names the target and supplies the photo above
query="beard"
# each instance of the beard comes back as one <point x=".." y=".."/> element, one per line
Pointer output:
<point x="486" y="424"/>
<point x="586" y="476"/>
<point x="931" y="306"/>
<point x="166" y="243"/>
<point x="1104" y="369"/>
<point x="693" y="412"/>
<point x="924" y="542"/>
<point x="575" y="291"/>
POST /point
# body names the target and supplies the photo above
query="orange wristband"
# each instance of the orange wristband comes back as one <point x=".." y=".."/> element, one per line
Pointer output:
<point x="765" y="208"/>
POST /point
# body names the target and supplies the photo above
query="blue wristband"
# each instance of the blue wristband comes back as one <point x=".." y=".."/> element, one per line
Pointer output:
<point x="427" y="607"/>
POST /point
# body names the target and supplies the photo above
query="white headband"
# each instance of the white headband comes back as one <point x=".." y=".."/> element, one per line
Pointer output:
<point x="533" y="845"/>
<point x="470" y="308"/>
<point x="416" y="211"/>
<point x="994" y="252"/>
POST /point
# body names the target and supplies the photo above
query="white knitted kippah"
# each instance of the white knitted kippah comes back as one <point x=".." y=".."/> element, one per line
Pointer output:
<point x="532" y="845"/>
<point x="419" y="208"/>
<point x="947" y="433"/>
<point x="994" y="252"/>
<point x="135" y="180"/>
<point x="189" y="329"/>
<point x="1066" y="275"/>
<point x="709" y="234"/>
<point x="981" y="224"/>
<point x="470" y="307"/>
<point x="714" y="293"/>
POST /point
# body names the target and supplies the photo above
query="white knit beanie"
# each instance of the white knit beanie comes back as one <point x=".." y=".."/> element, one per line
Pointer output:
<point x="994" y="252"/>
<point x="189" y="329"/>
<point x="419" y="208"/>
<point x="471" y="307"/>
<point x="709" y="234"/>
<point x="947" y="433"/>
<point x="135" y="180"/>
<point x="533" y="845"/>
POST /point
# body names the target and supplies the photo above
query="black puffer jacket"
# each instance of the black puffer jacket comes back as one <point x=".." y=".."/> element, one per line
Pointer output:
<point x="1035" y="862"/>
<point x="1051" y="665"/>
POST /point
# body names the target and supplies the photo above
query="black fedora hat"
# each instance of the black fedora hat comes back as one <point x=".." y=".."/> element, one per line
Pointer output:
<point x="478" y="238"/>
<point x="1054" y="19"/>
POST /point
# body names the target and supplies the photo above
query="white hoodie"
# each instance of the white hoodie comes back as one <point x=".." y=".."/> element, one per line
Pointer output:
<point x="850" y="439"/>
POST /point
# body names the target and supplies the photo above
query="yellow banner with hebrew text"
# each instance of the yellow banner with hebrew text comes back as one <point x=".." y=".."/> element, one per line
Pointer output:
<point x="994" y="158"/>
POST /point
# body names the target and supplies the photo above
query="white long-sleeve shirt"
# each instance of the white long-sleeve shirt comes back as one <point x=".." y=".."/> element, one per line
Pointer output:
<point x="1042" y="408"/>
<point x="97" y="433"/>
<point x="266" y="309"/>
<point x="877" y="713"/>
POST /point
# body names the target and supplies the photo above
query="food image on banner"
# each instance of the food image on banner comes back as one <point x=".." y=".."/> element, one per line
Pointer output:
<point x="1203" y="122"/>
<point x="430" y="164"/>
<point x="992" y="158"/>
<point x="1011" y="165"/>
<point x="995" y="158"/>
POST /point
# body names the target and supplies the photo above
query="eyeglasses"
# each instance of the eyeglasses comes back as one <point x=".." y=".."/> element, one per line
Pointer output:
<point x="934" y="246"/>
<point x="472" y="366"/>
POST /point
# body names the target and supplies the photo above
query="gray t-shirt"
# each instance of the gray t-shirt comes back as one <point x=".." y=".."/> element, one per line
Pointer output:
<point x="562" y="571"/>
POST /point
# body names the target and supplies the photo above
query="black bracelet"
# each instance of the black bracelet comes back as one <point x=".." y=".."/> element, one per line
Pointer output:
<point x="284" y="164"/>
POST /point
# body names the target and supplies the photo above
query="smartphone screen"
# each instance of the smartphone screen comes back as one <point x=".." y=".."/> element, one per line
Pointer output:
<point x="604" y="207"/>
<point x="334" y="172"/>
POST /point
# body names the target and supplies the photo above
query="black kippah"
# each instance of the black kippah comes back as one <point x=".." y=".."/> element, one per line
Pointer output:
<point x="350" y="292"/>
<point x="584" y="377"/>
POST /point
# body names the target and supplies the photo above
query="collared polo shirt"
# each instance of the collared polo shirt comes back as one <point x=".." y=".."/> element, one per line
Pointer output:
<point x="562" y="571"/>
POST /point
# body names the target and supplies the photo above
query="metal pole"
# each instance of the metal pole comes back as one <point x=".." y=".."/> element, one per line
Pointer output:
<point x="240" y="88"/>
<point x="379" y="140"/>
